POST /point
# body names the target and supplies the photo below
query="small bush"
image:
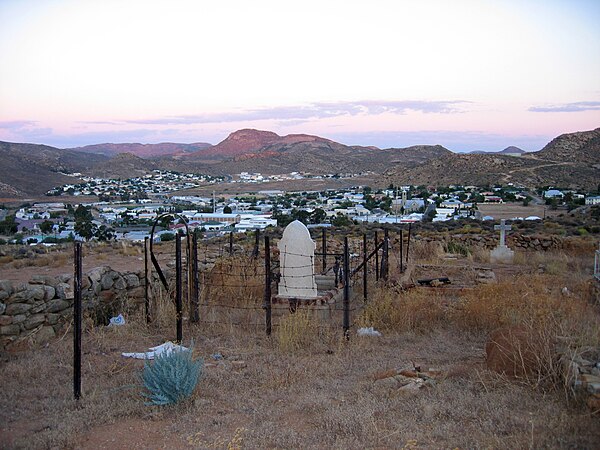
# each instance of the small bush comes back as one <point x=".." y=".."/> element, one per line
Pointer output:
<point x="171" y="377"/>
<point x="296" y="331"/>
<point x="457" y="248"/>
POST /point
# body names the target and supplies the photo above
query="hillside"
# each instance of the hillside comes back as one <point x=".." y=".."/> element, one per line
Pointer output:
<point x="583" y="147"/>
<point x="123" y="165"/>
<point x="570" y="161"/>
<point x="144" y="150"/>
<point x="31" y="169"/>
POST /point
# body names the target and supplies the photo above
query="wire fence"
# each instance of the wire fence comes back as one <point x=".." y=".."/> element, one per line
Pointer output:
<point x="247" y="280"/>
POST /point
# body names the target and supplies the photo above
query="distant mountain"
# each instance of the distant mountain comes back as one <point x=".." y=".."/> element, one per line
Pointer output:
<point x="269" y="153"/>
<point x="31" y="169"/>
<point x="250" y="141"/>
<point x="512" y="149"/>
<point x="507" y="151"/>
<point x="144" y="150"/>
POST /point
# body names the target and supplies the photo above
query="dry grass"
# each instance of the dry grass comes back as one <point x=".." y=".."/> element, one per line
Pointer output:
<point x="307" y="387"/>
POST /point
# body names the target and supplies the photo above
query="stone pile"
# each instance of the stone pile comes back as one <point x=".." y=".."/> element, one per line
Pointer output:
<point x="38" y="309"/>
<point x="407" y="380"/>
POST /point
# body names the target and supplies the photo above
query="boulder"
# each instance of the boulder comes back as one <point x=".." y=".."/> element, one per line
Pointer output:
<point x="17" y="308"/>
<point x="44" y="335"/>
<point x="19" y="318"/>
<point x="34" y="321"/>
<point x="132" y="280"/>
<point x="6" y="320"/>
<point x="57" y="305"/>
<point x="2" y="308"/>
<point x="10" y="330"/>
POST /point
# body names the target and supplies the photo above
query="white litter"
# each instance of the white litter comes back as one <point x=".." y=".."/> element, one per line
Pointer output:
<point x="116" y="321"/>
<point x="153" y="352"/>
<point x="370" y="331"/>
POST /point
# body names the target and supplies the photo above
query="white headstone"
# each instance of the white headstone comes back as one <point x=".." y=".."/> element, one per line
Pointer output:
<point x="297" y="256"/>
<point x="502" y="254"/>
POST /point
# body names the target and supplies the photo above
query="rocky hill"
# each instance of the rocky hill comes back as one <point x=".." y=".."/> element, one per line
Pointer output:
<point x="144" y="150"/>
<point x="583" y="147"/>
<point x="30" y="169"/>
<point x="512" y="149"/>
<point x="570" y="161"/>
<point x="123" y="165"/>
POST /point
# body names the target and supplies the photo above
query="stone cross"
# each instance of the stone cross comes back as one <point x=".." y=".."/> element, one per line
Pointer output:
<point x="297" y="256"/>
<point x="502" y="254"/>
<point x="503" y="229"/>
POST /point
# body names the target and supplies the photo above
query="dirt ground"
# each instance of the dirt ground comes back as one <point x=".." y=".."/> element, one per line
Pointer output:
<point x="510" y="210"/>
<point x="260" y="397"/>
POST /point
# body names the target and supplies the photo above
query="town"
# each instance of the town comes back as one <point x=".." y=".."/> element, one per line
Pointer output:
<point x="127" y="209"/>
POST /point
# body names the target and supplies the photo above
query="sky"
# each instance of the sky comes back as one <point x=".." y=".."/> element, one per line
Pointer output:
<point x="469" y="75"/>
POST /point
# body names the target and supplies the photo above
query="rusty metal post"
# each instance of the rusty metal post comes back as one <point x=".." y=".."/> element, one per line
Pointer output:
<point x="178" y="288"/>
<point x="401" y="247"/>
<point x="376" y="258"/>
<point x="346" y="323"/>
<point x="385" y="255"/>
<point x="194" y="304"/>
<point x="146" y="282"/>
<point x="365" y="268"/>
<point x="255" y="252"/>
<point x="77" y="321"/>
<point x="324" y="248"/>
<point x="408" y="243"/>
<point x="267" y="300"/>
<point x="231" y="243"/>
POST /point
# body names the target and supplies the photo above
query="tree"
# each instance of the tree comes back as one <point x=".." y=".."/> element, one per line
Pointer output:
<point x="8" y="225"/>
<point x="85" y="229"/>
<point x="227" y="210"/>
<point x="104" y="233"/>
<point x="318" y="216"/>
<point x="46" y="227"/>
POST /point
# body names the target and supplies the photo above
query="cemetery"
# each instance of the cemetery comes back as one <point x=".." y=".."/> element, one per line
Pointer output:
<point x="310" y="338"/>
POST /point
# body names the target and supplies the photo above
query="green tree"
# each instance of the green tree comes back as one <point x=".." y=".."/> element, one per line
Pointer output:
<point x="318" y="216"/>
<point x="46" y="227"/>
<point x="8" y="225"/>
<point x="85" y="228"/>
<point x="227" y="210"/>
<point x="104" y="233"/>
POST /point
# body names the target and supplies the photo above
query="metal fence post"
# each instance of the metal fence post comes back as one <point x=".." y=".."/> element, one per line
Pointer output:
<point x="146" y="281"/>
<point x="77" y="322"/>
<point x="256" y="244"/>
<point x="365" y="268"/>
<point x="267" y="300"/>
<point x="384" y="256"/>
<point x="346" y="289"/>
<point x="401" y="248"/>
<point x="324" y="248"/>
<point x="231" y="243"/>
<point x="195" y="316"/>
<point x="376" y="258"/>
<point x="408" y="243"/>
<point x="178" y="303"/>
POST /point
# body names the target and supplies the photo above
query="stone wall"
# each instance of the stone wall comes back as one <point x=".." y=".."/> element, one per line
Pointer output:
<point x="39" y="309"/>
<point x="527" y="242"/>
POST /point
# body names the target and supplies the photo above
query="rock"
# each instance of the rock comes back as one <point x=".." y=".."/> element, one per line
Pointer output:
<point x="62" y="290"/>
<point x="17" y="308"/>
<point x="408" y="373"/>
<point x="512" y="351"/>
<point x="57" y="305"/>
<point x="37" y="308"/>
<point x="49" y="292"/>
<point x="34" y="321"/>
<point x="6" y="289"/>
<point x="132" y="280"/>
<point x="388" y="383"/>
<point x="410" y="388"/>
<point x="593" y="388"/>
<point x="2" y="308"/>
<point x="10" y="330"/>
<point x="593" y="402"/>
<point x="120" y="284"/>
<point x="107" y="281"/>
<point x="43" y="279"/>
<point x="6" y="320"/>
<point x="19" y="318"/>
<point x="52" y="319"/>
<point x="44" y="335"/>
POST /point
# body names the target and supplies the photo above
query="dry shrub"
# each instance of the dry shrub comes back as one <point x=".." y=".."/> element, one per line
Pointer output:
<point x="544" y="323"/>
<point x="235" y="280"/>
<point x="417" y="310"/>
<point x="425" y="250"/>
<point x="580" y="246"/>
<point x="296" y="331"/>
<point x="6" y="259"/>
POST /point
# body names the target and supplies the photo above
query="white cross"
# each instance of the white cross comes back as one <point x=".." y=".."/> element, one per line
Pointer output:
<point x="503" y="229"/>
